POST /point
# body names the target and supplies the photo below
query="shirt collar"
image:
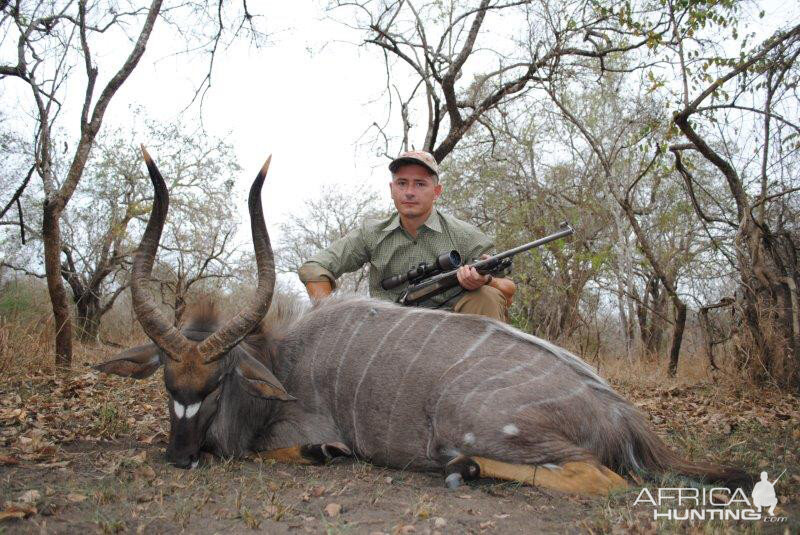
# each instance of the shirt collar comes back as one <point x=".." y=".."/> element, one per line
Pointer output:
<point x="432" y="222"/>
<point x="394" y="223"/>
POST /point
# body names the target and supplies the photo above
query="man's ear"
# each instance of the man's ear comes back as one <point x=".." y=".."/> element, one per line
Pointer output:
<point x="258" y="381"/>
<point x="437" y="190"/>
<point x="137" y="362"/>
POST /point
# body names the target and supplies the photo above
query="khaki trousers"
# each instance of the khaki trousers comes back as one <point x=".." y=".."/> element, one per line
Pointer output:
<point x="485" y="301"/>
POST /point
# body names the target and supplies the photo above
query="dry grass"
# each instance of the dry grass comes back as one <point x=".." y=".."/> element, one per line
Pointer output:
<point x="92" y="448"/>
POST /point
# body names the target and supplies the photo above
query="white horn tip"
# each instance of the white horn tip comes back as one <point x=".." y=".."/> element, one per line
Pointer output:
<point x="265" y="167"/>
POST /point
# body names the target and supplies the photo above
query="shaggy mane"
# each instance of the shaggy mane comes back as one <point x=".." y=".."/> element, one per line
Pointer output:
<point x="205" y="316"/>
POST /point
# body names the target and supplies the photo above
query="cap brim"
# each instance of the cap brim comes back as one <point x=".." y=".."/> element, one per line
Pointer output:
<point x="402" y="161"/>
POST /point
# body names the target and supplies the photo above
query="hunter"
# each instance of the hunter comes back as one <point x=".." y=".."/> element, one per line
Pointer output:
<point x="416" y="233"/>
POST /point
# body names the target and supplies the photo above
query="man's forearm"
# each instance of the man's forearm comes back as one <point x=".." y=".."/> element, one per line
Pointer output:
<point x="318" y="280"/>
<point x="319" y="289"/>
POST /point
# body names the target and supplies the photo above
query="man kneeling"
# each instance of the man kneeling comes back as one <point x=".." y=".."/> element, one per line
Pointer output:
<point x="416" y="233"/>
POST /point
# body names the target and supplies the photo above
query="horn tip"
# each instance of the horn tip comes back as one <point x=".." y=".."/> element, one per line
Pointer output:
<point x="145" y="154"/>
<point x="265" y="167"/>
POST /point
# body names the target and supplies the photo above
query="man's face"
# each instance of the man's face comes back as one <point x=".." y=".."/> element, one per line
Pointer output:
<point x="414" y="190"/>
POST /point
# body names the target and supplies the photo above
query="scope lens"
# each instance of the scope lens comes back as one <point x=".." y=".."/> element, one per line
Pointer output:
<point x="450" y="260"/>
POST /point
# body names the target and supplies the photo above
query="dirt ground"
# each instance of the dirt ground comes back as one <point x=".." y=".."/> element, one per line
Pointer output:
<point x="85" y="454"/>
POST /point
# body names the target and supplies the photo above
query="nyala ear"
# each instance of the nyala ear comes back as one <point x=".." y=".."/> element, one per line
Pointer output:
<point x="258" y="381"/>
<point x="137" y="362"/>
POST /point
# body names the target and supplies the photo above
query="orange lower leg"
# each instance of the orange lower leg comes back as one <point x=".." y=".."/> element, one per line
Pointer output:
<point x="575" y="477"/>
<point x="284" y="455"/>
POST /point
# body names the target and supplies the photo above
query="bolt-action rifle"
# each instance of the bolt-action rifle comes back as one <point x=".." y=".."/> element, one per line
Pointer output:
<point x="428" y="281"/>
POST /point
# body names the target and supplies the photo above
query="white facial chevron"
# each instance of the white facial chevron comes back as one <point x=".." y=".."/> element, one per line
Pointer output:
<point x="189" y="411"/>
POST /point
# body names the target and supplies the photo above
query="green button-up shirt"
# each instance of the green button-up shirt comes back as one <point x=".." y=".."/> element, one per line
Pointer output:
<point x="390" y="250"/>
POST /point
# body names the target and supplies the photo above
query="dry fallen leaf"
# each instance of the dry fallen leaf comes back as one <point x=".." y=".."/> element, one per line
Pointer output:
<point x="9" y="514"/>
<point x="17" y="510"/>
<point x="333" y="510"/>
<point x="7" y="459"/>
<point x="75" y="497"/>
<point x="58" y="464"/>
<point x="30" y="496"/>
<point x="270" y="510"/>
<point x="148" y="439"/>
<point x="146" y="472"/>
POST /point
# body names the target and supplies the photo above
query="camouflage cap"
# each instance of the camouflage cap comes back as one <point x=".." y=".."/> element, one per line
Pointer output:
<point x="420" y="157"/>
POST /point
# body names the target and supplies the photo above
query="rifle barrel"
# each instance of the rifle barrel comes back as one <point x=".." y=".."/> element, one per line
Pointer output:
<point x="532" y="245"/>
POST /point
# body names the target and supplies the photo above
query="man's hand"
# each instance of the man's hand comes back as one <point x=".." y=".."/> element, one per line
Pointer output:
<point x="470" y="279"/>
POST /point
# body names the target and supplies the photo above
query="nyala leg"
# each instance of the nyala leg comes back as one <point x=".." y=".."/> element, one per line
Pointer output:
<point x="307" y="453"/>
<point x="460" y="469"/>
<point x="322" y="453"/>
<point x="574" y="477"/>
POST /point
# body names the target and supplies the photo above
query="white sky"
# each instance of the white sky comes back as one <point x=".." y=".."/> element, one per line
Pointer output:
<point x="301" y="98"/>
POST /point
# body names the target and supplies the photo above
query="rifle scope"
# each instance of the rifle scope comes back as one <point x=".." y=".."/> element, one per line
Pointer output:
<point x="445" y="262"/>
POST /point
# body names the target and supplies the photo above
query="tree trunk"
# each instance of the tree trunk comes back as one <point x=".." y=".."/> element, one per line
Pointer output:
<point x="677" y="337"/>
<point x="88" y="317"/>
<point x="179" y="305"/>
<point x="56" y="199"/>
<point x="707" y="329"/>
<point x="769" y="292"/>
<point x="667" y="281"/>
<point x="642" y="316"/>
<point x="51" y="236"/>
<point x="651" y="322"/>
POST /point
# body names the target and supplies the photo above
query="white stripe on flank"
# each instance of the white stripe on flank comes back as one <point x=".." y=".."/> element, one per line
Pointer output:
<point x="556" y="399"/>
<point x="573" y="361"/>
<point x="369" y="363"/>
<point x="313" y="359"/>
<point x="444" y="317"/>
<point x="341" y="360"/>
<point x="487" y="332"/>
<point x="533" y="379"/>
<point x="192" y="409"/>
<point x="474" y="364"/>
<point x="179" y="409"/>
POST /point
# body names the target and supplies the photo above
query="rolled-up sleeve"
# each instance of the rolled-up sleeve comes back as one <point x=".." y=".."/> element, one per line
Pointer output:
<point x="343" y="256"/>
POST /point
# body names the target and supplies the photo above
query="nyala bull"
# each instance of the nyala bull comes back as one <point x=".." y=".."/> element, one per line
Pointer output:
<point x="399" y="387"/>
